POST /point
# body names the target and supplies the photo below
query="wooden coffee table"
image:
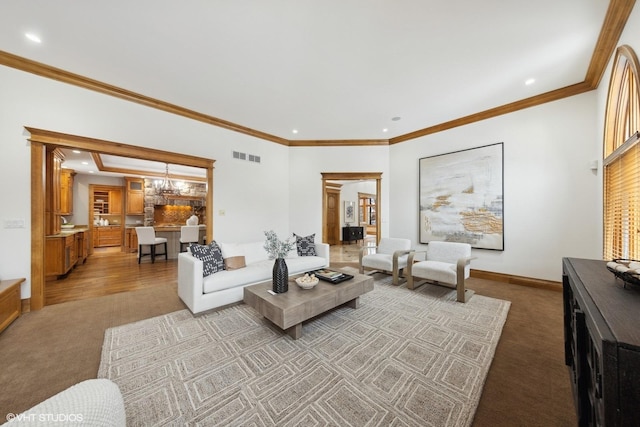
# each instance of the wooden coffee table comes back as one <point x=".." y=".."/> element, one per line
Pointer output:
<point x="288" y="310"/>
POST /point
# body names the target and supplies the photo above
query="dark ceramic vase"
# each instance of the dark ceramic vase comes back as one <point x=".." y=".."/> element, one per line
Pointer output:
<point x="280" y="276"/>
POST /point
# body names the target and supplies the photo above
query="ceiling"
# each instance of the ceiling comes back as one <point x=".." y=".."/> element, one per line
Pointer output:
<point x="330" y="69"/>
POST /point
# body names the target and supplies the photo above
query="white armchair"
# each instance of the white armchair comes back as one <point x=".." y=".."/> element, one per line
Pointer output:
<point x="389" y="256"/>
<point x="447" y="263"/>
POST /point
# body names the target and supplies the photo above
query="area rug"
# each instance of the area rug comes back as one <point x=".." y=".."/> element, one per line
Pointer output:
<point x="403" y="358"/>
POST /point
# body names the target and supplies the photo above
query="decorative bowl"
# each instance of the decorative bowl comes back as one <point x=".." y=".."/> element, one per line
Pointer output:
<point x="628" y="270"/>
<point x="67" y="226"/>
<point x="307" y="282"/>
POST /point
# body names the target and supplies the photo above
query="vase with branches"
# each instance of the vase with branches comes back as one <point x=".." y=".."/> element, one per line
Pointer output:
<point x="278" y="249"/>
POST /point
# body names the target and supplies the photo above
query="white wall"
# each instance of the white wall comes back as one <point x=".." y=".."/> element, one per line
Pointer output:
<point x="254" y="197"/>
<point x="305" y="188"/>
<point x="551" y="202"/>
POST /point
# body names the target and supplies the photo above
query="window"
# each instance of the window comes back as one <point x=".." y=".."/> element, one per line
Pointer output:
<point x="622" y="160"/>
<point x="367" y="211"/>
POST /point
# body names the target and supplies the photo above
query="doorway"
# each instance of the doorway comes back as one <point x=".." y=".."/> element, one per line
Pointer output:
<point x="42" y="139"/>
<point x="328" y="188"/>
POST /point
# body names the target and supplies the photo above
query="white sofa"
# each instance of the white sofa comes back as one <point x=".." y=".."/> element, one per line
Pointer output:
<point x="226" y="287"/>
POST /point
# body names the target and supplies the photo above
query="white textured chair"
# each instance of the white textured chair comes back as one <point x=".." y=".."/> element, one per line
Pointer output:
<point x="390" y="256"/>
<point x="94" y="402"/>
<point x="147" y="237"/>
<point x="189" y="234"/>
<point x="447" y="263"/>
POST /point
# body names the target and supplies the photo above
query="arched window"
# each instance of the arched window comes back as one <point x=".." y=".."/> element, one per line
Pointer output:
<point x="622" y="159"/>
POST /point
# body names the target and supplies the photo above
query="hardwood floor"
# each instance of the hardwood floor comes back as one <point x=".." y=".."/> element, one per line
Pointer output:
<point x="109" y="271"/>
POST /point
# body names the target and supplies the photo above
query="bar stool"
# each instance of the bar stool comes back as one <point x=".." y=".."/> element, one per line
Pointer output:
<point x="189" y="234"/>
<point x="147" y="237"/>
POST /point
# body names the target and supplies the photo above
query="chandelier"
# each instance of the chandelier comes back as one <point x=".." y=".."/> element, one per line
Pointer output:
<point x="166" y="187"/>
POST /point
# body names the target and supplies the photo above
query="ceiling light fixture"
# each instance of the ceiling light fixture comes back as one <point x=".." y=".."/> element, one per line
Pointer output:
<point x="166" y="187"/>
<point x="529" y="82"/>
<point x="33" y="37"/>
<point x="85" y="163"/>
<point x="295" y="131"/>
<point x="77" y="151"/>
<point x="385" y="130"/>
<point x="396" y="118"/>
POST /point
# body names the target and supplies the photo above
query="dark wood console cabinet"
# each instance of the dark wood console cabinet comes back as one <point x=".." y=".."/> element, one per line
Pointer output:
<point x="602" y="343"/>
<point x="350" y="234"/>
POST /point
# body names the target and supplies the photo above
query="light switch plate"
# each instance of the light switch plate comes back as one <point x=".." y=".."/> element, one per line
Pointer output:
<point x="14" y="223"/>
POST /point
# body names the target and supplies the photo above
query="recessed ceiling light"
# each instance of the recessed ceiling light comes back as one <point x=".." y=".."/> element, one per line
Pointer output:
<point x="529" y="82"/>
<point x="77" y="151"/>
<point x="395" y="119"/>
<point x="90" y="171"/>
<point x="385" y="130"/>
<point x="295" y="131"/>
<point x="33" y="37"/>
<point x="85" y="163"/>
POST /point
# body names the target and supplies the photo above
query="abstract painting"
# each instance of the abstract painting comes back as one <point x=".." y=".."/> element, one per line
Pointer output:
<point x="461" y="197"/>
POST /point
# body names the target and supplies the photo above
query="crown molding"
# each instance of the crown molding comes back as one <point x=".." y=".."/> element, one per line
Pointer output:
<point x="336" y="142"/>
<point x="43" y="70"/>
<point x="58" y="139"/>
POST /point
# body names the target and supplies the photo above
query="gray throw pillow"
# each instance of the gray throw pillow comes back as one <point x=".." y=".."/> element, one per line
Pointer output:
<point x="210" y="255"/>
<point x="306" y="245"/>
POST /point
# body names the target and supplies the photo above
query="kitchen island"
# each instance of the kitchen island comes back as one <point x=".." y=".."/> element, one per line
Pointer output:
<point x="169" y="231"/>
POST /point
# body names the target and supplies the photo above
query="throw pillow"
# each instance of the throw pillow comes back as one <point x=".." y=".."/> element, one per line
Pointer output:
<point x="306" y="245"/>
<point x="234" y="263"/>
<point x="210" y="255"/>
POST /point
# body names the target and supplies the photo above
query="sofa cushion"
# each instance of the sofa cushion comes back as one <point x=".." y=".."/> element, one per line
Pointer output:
<point x="306" y="245"/>
<point x="254" y="252"/>
<point x="210" y="255"/>
<point x="437" y="271"/>
<point x="231" y="249"/>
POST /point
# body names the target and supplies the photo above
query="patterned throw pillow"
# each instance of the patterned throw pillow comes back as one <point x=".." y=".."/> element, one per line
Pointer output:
<point x="210" y="255"/>
<point x="306" y="245"/>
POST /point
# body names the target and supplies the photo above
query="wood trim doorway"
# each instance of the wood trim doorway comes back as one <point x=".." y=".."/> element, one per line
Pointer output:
<point x="350" y="176"/>
<point x="40" y="140"/>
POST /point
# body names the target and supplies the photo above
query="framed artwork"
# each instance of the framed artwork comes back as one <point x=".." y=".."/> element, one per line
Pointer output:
<point x="461" y="197"/>
<point x="349" y="212"/>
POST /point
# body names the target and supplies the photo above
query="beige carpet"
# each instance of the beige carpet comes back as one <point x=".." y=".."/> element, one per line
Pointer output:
<point x="414" y="358"/>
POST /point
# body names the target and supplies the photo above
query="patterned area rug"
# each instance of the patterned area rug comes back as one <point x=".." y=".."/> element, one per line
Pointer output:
<point x="404" y="358"/>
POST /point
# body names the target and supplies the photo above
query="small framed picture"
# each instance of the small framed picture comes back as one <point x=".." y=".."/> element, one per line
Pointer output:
<point x="349" y="212"/>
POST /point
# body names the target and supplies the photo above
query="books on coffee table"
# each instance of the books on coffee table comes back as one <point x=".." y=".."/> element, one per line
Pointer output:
<point x="331" y="276"/>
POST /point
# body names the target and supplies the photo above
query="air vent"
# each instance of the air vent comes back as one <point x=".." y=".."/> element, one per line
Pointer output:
<point x="238" y="155"/>
<point x="243" y="156"/>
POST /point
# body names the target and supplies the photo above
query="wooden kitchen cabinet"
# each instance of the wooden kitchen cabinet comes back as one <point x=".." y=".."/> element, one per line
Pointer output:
<point x="54" y="158"/>
<point x="131" y="240"/>
<point x="135" y="196"/>
<point x="108" y="235"/>
<point x="82" y="246"/>
<point x="107" y="202"/>
<point x="61" y="254"/>
<point x="66" y="191"/>
<point x="115" y="202"/>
